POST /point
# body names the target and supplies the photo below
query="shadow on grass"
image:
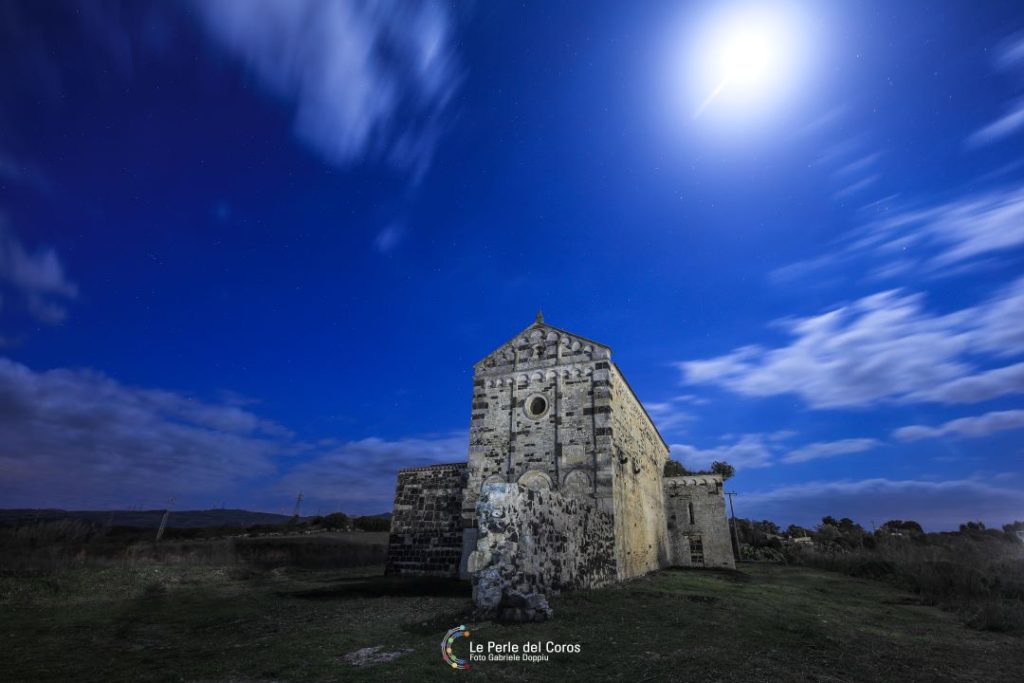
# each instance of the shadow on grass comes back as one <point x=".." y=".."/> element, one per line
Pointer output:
<point x="381" y="586"/>
<point x="734" y="575"/>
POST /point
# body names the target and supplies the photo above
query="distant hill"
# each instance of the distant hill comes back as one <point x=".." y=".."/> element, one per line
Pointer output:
<point x="151" y="518"/>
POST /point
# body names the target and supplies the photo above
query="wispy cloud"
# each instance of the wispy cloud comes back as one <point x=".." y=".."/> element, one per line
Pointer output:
<point x="884" y="347"/>
<point x="757" y="450"/>
<point x="1009" y="55"/>
<point x="362" y="473"/>
<point x="936" y="504"/>
<point x="79" y="438"/>
<point x="859" y="165"/>
<point x="388" y="238"/>
<point x="1010" y="52"/>
<point x="858" y="186"/>
<point x="939" y="239"/>
<point x="751" y="451"/>
<point x="668" y="416"/>
<point x="974" y="426"/>
<point x="1009" y="123"/>
<point x="830" y="449"/>
<point x="22" y="173"/>
<point x="37" y="276"/>
<point x="365" y="79"/>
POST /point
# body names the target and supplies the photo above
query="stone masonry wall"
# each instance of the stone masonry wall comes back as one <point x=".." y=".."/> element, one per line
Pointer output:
<point x="703" y="539"/>
<point x="639" y="456"/>
<point x="426" y="528"/>
<point x="560" y="449"/>
<point x="538" y="542"/>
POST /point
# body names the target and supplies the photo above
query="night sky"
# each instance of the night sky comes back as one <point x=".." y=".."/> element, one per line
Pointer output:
<point x="252" y="248"/>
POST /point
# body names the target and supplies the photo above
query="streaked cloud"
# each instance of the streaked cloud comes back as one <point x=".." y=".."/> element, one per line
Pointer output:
<point x="668" y="416"/>
<point x="757" y="450"/>
<point x="1010" y="52"/>
<point x="859" y="165"/>
<point x="884" y="347"/>
<point x="751" y="451"/>
<point x="942" y="239"/>
<point x="857" y="186"/>
<point x="1009" y="123"/>
<point x="388" y="238"/>
<point x="974" y="426"/>
<point x="366" y="80"/>
<point x="830" y="449"/>
<point x="1009" y="56"/>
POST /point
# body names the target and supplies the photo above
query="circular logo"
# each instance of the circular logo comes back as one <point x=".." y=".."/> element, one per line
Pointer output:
<point x="446" y="648"/>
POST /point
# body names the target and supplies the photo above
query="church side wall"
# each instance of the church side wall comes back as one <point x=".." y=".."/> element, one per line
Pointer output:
<point x="703" y="539"/>
<point x="638" y="456"/>
<point x="426" y="526"/>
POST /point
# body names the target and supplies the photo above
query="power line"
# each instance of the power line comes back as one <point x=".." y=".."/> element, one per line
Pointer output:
<point x="732" y="510"/>
<point x="163" y="522"/>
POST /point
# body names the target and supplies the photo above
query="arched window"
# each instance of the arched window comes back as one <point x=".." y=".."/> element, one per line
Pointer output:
<point x="536" y="480"/>
<point x="577" y="484"/>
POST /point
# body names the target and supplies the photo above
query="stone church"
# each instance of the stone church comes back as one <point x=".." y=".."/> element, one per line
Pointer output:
<point x="564" y="485"/>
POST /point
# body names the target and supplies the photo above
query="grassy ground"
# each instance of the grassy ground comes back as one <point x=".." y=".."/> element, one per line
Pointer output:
<point x="765" y="623"/>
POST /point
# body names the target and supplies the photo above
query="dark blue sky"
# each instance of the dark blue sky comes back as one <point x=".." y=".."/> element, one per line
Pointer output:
<point x="252" y="248"/>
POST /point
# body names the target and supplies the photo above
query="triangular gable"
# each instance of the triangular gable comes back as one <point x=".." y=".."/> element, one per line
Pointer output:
<point x="540" y="333"/>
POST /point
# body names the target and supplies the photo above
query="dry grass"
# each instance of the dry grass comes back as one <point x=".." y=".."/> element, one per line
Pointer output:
<point x="201" y="623"/>
<point x="980" y="577"/>
<point x="45" y="548"/>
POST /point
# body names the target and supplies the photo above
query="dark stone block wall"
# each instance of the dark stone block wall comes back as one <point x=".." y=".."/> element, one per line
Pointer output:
<point x="426" y="526"/>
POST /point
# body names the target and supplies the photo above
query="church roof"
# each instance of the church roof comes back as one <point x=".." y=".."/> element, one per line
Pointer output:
<point x="540" y="324"/>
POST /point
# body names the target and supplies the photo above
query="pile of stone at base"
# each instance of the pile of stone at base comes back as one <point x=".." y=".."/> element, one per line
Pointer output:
<point x="516" y="606"/>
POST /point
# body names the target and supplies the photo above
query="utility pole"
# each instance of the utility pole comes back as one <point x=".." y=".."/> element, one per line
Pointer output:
<point x="163" y="522"/>
<point x="732" y="510"/>
<point x="298" y="505"/>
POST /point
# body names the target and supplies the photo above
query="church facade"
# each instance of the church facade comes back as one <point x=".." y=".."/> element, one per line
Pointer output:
<point x="563" y="487"/>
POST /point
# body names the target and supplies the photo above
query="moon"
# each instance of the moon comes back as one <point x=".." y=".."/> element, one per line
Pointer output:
<point x="747" y="57"/>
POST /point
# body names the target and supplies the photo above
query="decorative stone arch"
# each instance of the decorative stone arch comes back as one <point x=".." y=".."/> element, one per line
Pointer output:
<point x="536" y="480"/>
<point x="577" y="484"/>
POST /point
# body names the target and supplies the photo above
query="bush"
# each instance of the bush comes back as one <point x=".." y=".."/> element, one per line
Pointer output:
<point x="975" y="574"/>
<point x="674" y="468"/>
<point x="873" y="569"/>
<point x="995" y="615"/>
<point x="761" y="554"/>
<point x="336" y="520"/>
<point x="373" y="523"/>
